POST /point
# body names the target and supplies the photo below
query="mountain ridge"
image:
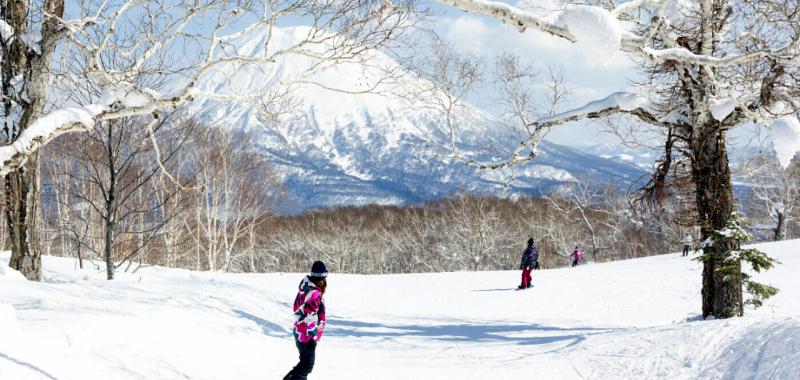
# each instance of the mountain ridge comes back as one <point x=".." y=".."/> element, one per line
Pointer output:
<point x="354" y="148"/>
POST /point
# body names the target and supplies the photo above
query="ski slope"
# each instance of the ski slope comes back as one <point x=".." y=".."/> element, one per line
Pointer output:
<point x="635" y="319"/>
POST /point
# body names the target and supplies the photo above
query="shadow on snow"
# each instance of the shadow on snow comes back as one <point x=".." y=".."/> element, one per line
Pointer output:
<point x="267" y="328"/>
<point x="28" y="366"/>
<point x="521" y="334"/>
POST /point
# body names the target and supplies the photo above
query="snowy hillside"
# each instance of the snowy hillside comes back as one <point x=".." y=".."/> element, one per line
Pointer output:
<point x="634" y="319"/>
<point x="356" y="148"/>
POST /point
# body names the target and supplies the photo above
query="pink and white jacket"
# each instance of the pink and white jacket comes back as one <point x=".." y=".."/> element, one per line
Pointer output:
<point x="576" y="254"/>
<point x="309" y="312"/>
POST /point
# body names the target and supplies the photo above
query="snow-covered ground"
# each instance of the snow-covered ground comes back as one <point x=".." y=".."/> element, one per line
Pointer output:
<point x="633" y="319"/>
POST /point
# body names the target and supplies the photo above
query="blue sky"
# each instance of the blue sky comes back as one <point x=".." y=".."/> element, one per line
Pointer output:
<point x="588" y="80"/>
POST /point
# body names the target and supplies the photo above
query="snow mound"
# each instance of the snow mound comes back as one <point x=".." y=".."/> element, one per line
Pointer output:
<point x="722" y="108"/>
<point x="9" y="325"/>
<point x="597" y="32"/>
<point x="786" y="138"/>
<point x="10" y="274"/>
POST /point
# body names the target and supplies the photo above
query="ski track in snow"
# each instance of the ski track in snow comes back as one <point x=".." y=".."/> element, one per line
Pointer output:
<point x="634" y="319"/>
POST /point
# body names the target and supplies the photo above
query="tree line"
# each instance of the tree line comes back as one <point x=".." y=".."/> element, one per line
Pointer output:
<point x="188" y="195"/>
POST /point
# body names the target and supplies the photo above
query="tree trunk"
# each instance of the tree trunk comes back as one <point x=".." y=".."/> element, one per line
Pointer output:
<point x="722" y="295"/>
<point x="80" y="256"/>
<point x="109" y="241"/>
<point x="22" y="193"/>
<point x="22" y="186"/>
<point x="779" y="227"/>
<point x="111" y="212"/>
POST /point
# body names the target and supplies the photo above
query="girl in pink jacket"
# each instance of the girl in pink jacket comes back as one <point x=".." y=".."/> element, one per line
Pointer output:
<point x="309" y="313"/>
<point x="576" y="256"/>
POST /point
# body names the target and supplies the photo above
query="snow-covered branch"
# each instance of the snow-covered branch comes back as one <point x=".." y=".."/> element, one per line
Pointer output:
<point x="43" y="130"/>
<point x="616" y="103"/>
<point x="508" y="14"/>
<point x="600" y="24"/>
<point x="125" y="52"/>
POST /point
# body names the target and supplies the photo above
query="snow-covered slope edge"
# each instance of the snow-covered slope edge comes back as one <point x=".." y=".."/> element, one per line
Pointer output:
<point x="633" y="319"/>
<point x="358" y="148"/>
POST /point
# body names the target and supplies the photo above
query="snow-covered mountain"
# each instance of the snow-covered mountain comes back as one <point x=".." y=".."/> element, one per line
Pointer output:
<point x="358" y="148"/>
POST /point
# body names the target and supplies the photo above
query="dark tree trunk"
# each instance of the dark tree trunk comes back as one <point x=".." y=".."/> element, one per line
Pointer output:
<point x="80" y="256"/>
<point x="110" y="218"/>
<point x="779" y="226"/>
<point x="109" y="239"/>
<point x="22" y="215"/>
<point x="22" y="186"/>
<point x="722" y="294"/>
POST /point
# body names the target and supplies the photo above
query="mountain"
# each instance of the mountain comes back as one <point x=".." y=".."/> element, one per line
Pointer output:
<point x="350" y="148"/>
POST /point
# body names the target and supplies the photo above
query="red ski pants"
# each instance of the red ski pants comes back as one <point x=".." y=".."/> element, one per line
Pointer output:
<point x="526" y="276"/>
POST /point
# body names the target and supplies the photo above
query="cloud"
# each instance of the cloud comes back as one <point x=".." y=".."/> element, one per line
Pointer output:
<point x="483" y="35"/>
<point x="588" y="80"/>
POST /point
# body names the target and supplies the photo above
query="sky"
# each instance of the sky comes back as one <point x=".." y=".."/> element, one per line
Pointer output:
<point x="587" y="79"/>
<point x="488" y="37"/>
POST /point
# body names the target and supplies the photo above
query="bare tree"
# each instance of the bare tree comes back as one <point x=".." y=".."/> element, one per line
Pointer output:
<point x="450" y="78"/>
<point x="126" y="48"/>
<point x="705" y="77"/>
<point x="111" y="171"/>
<point x="474" y="233"/>
<point x="234" y="183"/>
<point x="26" y="61"/>
<point x="775" y="190"/>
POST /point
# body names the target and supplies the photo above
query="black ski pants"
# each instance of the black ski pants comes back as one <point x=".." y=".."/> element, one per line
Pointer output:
<point x="306" y="364"/>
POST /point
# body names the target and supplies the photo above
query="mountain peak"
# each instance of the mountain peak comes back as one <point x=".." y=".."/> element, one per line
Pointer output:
<point x="347" y="148"/>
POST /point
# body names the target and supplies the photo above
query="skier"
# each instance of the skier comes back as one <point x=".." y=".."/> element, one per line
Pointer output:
<point x="687" y="244"/>
<point x="309" y="312"/>
<point x="576" y="256"/>
<point x="530" y="259"/>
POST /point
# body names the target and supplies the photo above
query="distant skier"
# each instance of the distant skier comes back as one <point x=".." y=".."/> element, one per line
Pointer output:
<point x="530" y="259"/>
<point x="309" y="313"/>
<point x="576" y="256"/>
<point x="687" y="244"/>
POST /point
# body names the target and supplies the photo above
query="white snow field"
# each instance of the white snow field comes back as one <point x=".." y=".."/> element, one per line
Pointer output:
<point x="635" y="319"/>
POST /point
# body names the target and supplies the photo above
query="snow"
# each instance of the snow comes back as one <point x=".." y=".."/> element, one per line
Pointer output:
<point x="681" y="54"/>
<point x="58" y="121"/>
<point x="128" y="96"/>
<point x="598" y="34"/>
<point x="635" y="319"/>
<point x="356" y="148"/>
<point x="625" y="101"/>
<point x="32" y="38"/>
<point x="9" y="325"/>
<point x="6" y="31"/>
<point x="785" y="138"/>
<point x="9" y="274"/>
<point x="722" y="108"/>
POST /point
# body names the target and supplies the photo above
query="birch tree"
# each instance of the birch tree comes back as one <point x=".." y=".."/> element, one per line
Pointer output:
<point x="131" y="48"/>
<point x="711" y="65"/>
<point x="775" y="190"/>
<point x="234" y="188"/>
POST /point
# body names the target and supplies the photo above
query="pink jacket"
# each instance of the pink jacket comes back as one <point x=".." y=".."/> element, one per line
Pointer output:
<point x="576" y="254"/>
<point x="309" y="312"/>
